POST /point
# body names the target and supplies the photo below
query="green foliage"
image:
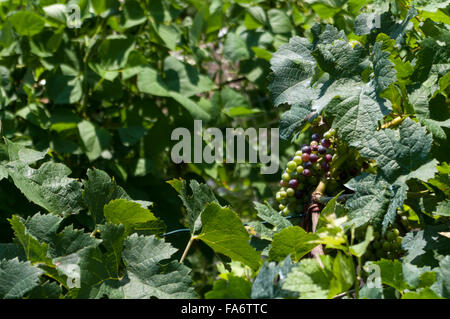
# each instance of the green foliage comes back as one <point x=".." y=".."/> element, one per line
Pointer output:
<point x="86" y="108"/>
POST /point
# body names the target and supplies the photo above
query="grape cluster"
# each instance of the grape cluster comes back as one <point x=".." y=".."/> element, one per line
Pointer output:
<point x="388" y="247"/>
<point x="304" y="171"/>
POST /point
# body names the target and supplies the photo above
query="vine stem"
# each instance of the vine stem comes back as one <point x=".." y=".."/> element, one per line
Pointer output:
<point x="186" y="250"/>
<point x="394" y="122"/>
<point x="315" y="214"/>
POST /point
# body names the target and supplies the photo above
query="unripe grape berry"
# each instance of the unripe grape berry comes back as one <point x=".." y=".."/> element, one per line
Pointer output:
<point x="283" y="194"/>
<point x="286" y="177"/>
<point x="305" y="157"/>
<point x="306" y="172"/>
<point x="281" y="207"/>
<point x="298" y="159"/>
<point x="313" y="143"/>
<point x="326" y="143"/>
<point x="292" y="166"/>
<point x="386" y="245"/>
<point x="399" y="240"/>
<point x="298" y="153"/>
<point x="326" y="135"/>
<point x="321" y="149"/>
<point x="293" y="183"/>
<point x="313" y="158"/>
<point x="299" y="169"/>
<point x="390" y="235"/>
<point x="316" y="166"/>
<point x="332" y="132"/>
<point x="290" y="192"/>
<point x="315" y="137"/>
<point x="306" y="149"/>
<point x="307" y="164"/>
<point x="328" y="157"/>
<point x="286" y="211"/>
<point x="396" y="232"/>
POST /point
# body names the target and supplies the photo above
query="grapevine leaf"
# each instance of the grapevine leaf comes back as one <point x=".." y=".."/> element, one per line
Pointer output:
<point x="27" y="23"/>
<point x="99" y="190"/>
<point x="292" y="241"/>
<point x="359" y="249"/>
<point x="293" y="66"/>
<point x="11" y="251"/>
<point x="401" y="154"/>
<point x="309" y="279"/>
<point x="222" y="230"/>
<point x="133" y="216"/>
<point x="231" y="288"/>
<point x="201" y="195"/>
<point x="292" y="120"/>
<point x="343" y="274"/>
<point x="146" y="277"/>
<point x="35" y="251"/>
<point x="70" y="240"/>
<point x="95" y="139"/>
<point x="392" y="274"/>
<point x="266" y="285"/>
<point x="113" y="237"/>
<point x="357" y="112"/>
<point x="17" y="278"/>
<point x="383" y="68"/>
<point x="49" y="290"/>
<point x="48" y="186"/>
<point x="268" y="214"/>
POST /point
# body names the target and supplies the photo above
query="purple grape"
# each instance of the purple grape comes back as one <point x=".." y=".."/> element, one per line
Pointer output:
<point x="306" y="172"/>
<point x="315" y="137"/>
<point x="293" y="183"/>
<point x="298" y="194"/>
<point x="321" y="149"/>
<point x="325" y="166"/>
<point x="283" y="183"/>
<point x="306" y="149"/>
<point x="313" y="158"/>
<point x="307" y="164"/>
<point x="325" y="143"/>
<point x="314" y="148"/>
<point x="328" y="158"/>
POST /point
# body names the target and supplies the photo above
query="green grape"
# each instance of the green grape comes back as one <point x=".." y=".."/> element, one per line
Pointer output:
<point x="300" y="169"/>
<point x="390" y="235"/>
<point x="286" y="211"/>
<point x="386" y="245"/>
<point x="290" y="192"/>
<point x="396" y="231"/>
<point x="286" y="177"/>
<point x="298" y="153"/>
<point x="283" y="194"/>
<point x="281" y="206"/>
<point x="298" y="160"/>
<point x="292" y="166"/>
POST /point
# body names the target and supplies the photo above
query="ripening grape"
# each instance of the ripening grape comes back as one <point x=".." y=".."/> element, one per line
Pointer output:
<point x="306" y="149"/>
<point x="315" y="137"/>
<point x="305" y="157"/>
<point x="306" y="172"/>
<point x="325" y="143"/>
<point x="293" y="183"/>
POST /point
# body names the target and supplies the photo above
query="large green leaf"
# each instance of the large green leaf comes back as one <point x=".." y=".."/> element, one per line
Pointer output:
<point x="99" y="190"/>
<point x="27" y="23"/>
<point x="231" y="288"/>
<point x="292" y="241"/>
<point x="95" y="139"/>
<point x="48" y="186"/>
<point x="401" y="154"/>
<point x="132" y="215"/>
<point x="222" y="230"/>
<point x="17" y="278"/>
